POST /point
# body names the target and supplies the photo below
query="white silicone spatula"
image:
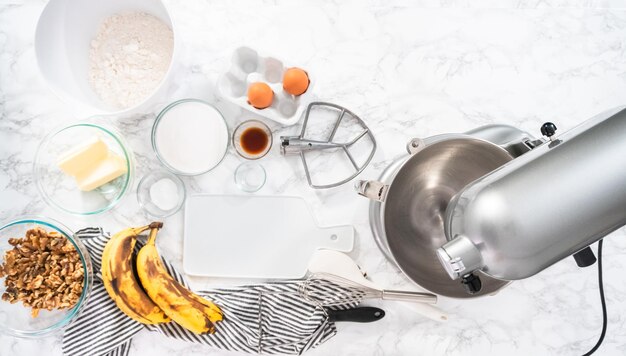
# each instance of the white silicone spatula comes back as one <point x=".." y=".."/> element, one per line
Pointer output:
<point x="340" y="264"/>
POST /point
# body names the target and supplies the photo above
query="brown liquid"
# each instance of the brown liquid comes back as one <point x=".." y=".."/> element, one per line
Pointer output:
<point x="254" y="140"/>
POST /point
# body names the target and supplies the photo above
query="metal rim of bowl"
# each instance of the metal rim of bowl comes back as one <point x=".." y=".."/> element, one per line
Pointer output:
<point x="156" y="125"/>
<point x="85" y="260"/>
<point x="130" y="167"/>
<point x="376" y="217"/>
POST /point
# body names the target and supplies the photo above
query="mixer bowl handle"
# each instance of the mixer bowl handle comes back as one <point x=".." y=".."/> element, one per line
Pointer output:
<point x="415" y="145"/>
<point x="376" y="190"/>
<point x="372" y="189"/>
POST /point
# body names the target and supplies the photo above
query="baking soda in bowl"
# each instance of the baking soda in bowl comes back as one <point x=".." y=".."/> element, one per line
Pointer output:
<point x="164" y="194"/>
<point x="190" y="137"/>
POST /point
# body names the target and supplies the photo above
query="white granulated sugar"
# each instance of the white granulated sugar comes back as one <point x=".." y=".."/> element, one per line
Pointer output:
<point x="191" y="137"/>
<point x="129" y="57"/>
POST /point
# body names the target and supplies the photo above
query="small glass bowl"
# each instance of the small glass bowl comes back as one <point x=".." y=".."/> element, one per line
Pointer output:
<point x="239" y="131"/>
<point x="60" y="190"/>
<point x="197" y="140"/>
<point x="250" y="177"/>
<point x="147" y="191"/>
<point x="16" y="319"/>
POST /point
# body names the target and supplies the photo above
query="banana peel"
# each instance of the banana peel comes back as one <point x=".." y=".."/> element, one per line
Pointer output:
<point x="120" y="281"/>
<point x="186" y="308"/>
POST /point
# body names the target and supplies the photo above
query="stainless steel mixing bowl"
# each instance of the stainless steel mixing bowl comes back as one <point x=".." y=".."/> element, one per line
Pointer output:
<point x="412" y="214"/>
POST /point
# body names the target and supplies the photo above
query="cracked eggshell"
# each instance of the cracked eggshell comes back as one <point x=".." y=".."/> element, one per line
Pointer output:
<point x="247" y="67"/>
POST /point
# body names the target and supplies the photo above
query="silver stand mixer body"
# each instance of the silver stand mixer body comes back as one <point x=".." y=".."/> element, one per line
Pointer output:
<point x="543" y="206"/>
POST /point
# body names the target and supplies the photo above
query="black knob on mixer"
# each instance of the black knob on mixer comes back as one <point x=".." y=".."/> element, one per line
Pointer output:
<point x="471" y="283"/>
<point x="548" y="129"/>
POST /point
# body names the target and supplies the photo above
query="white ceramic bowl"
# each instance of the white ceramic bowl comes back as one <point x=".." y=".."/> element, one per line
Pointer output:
<point x="62" y="42"/>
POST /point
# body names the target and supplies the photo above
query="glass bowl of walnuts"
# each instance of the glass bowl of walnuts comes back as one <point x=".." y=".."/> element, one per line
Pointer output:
<point x="45" y="276"/>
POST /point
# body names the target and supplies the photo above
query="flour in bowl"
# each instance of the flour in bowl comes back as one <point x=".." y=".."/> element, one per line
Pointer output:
<point x="129" y="57"/>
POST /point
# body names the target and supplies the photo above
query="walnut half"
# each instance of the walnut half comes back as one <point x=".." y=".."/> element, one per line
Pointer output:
<point x="43" y="271"/>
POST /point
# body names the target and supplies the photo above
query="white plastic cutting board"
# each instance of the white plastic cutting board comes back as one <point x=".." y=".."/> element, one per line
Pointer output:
<point x="267" y="237"/>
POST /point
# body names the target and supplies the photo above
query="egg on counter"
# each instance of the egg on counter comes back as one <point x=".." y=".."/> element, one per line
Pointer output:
<point x="295" y="81"/>
<point x="260" y="95"/>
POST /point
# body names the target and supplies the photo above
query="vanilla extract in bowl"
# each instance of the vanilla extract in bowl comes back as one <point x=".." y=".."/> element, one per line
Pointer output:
<point x="252" y="139"/>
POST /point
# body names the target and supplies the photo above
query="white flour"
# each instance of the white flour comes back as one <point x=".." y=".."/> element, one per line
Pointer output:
<point x="128" y="58"/>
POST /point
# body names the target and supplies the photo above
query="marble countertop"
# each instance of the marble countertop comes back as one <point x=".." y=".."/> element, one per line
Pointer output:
<point x="409" y="69"/>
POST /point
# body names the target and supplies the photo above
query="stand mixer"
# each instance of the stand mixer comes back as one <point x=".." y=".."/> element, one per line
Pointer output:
<point x="465" y="214"/>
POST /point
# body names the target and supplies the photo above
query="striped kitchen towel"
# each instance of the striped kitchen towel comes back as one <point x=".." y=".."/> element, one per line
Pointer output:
<point x="271" y="318"/>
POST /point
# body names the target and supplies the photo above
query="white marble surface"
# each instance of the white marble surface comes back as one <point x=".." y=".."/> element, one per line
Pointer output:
<point x="409" y="69"/>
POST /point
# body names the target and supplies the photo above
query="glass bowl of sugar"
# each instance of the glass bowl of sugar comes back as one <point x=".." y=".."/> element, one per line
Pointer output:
<point x="161" y="193"/>
<point x="190" y="137"/>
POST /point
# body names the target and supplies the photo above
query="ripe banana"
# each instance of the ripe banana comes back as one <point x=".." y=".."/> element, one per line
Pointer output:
<point x="120" y="281"/>
<point x="191" y="311"/>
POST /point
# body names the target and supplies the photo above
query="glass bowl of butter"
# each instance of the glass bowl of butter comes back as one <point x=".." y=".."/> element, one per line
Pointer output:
<point x="83" y="168"/>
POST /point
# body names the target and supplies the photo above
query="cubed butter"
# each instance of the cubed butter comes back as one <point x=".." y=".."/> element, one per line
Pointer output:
<point x="83" y="157"/>
<point x="108" y="169"/>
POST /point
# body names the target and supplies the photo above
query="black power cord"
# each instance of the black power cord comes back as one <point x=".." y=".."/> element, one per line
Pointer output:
<point x="602" y="301"/>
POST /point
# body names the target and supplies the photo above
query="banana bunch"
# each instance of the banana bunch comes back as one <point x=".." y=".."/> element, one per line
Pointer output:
<point x="156" y="297"/>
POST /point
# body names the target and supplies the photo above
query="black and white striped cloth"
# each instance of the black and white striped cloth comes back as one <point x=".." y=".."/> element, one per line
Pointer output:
<point x="271" y="318"/>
